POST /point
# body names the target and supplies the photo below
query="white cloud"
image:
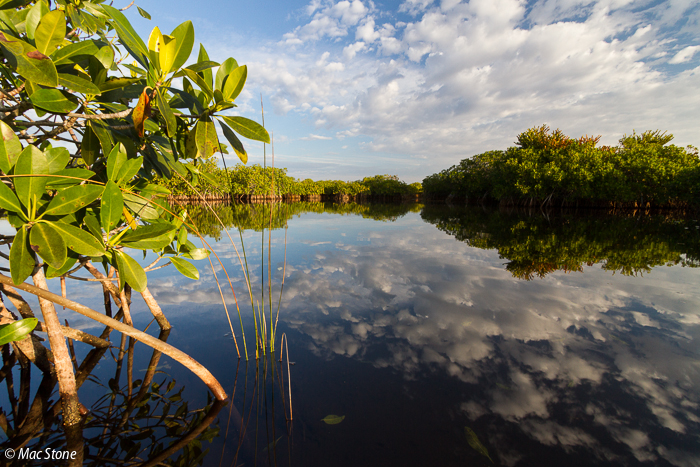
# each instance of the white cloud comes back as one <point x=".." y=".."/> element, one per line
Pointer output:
<point x="685" y="55"/>
<point x="313" y="137"/>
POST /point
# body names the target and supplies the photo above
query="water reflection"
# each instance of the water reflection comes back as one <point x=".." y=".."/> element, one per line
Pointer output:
<point x="601" y="368"/>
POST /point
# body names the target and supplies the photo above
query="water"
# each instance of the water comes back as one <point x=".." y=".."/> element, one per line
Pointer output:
<point x="441" y="335"/>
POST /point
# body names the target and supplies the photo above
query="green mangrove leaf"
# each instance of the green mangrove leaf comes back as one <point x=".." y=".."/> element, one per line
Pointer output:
<point x="21" y="257"/>
<point x="103" y="134"/>
<point x="117" y="83"/>
<point x="201" y="82"/>
<point x="105" y="56"/>
<point x="129" y="169"/>
<point x="333" y="419"/>
<point x="184" y="36"/>
<point x="148" y="237"/>
<point x="8" y="199"/>
<point x="79" y="240"/>
<point x="74" y="52"/>
<point x="112" y="205"/>
<point x="31" y="161"/>
<point x="248" y="128"/>
<point x="90" y="149"/>
<point x="186" y="268"/>
<point x="474" y="442"/>
<point x="71" y="259"/>
<point x="10" y="147"/>
<point x="50" y="32"/>
<point x="17" y="331"/>
<point x="206" y="140"/>
<point x="74" y="198"/>
<point x="130" y="272"/>
<point x="235" y="143"/>
<point x="58" y="158"/>
<point x="196" y="254"/>
<point x="143" y="12"/>
<point x="223" y="72"/>
<point x="54" y="100"/>
<point x="68" y="177"/>
<point x="235" y="82"/>
<point x="167" y="113"/>
<point x="37" y="68"/>
<point x="141" y="207"/>
<point x="116" y="159"/>
<point x="93" y="225"/>
<point x="131" y="40"/>
<point x="77" y="84"/>
<point x="48" y="244"/>
<point x="205" y="74"/>
<point x="197" y="67"/>
<point x="34" y="17"/>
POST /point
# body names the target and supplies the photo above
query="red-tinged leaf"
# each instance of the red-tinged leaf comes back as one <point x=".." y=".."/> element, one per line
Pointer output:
<point x="141" y="112"/>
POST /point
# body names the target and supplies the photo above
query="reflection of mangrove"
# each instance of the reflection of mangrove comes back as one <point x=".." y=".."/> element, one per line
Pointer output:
<point x="536" y="245"/>
<point x="141" y="421"/>
<point x="257" y="216"/>
<point x="144" y="421"/>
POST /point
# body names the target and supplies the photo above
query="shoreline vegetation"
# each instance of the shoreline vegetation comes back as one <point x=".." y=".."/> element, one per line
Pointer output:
<point x="548" y="168"/>
<point x="253" y="183"/>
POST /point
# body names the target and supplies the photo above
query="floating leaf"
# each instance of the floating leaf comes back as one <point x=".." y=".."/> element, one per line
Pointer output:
<point x="48" y="244"/>
<point x="17" y="331"/>
<point x="474" y="442"/>
<point x="333" y="419"/>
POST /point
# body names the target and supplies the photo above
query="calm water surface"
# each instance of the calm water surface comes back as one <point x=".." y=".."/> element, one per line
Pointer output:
<point x="443" y="336"/>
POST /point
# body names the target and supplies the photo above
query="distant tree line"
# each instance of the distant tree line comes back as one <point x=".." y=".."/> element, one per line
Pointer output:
<point x="548" y="167"/>
<point x="256" y="180"/>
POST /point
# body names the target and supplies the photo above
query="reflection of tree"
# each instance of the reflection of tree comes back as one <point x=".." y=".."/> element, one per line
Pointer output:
<point x="257" y="216"/>
<point x="536" y="245"/>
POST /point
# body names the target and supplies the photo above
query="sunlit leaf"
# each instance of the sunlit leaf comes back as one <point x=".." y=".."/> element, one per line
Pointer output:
<point x="143" y="12"/>
<point x="36" y="13"/>
<point x="17" y="331"/>
<point x="205" y="74"/>
<point x="223" y="72"/>
<point x="235" y="82"/>
<point x="141" y="112"/>
<point x="235" y="143"/>
<point x="130" y="272"/>
<point x="74" y="52"/>
<point x="184" y="35"/>
<point x="196" y="254"/>
<point x="68" y="177"/>
<point x="73" y="198"/>
<point x="333" y="419"/>
<point x="206" y="139"/>
<point x="10" y="147"/>
<point x="105" y="56"/>
<point x="80" y="241"/>
<point x="131" y="40"/>
<point x="90" y="147"/>
<point x="115" y="161"/>
<point x="22" y="261"/>
<point x="48" y="244"/>
<point x="474" y="442"/>
<point x="111" y="206"/>
<point x="248" y="128"/>
<point x="77" y="84"/>
<point x="67" y="265"/>
<point x="58" y="159"/>
<point x="168" y="50"/>
<point x="33" y="162"/>
<point x="8" y="199"/>
<point x="50" y="32"/>
<point x="149" y="237"/>
<point x="186" y="268"/>
<point x="117" y="83"/>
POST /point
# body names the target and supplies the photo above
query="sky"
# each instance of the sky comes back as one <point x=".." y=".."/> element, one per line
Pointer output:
<point x="356" y="88"/>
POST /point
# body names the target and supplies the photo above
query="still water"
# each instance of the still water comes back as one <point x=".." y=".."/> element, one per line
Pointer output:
<point x="435" y="335"/>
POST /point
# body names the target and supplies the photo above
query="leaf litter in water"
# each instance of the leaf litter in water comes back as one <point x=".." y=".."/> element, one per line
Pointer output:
<point x="333" y="419"/>
<point x="474" y="442"/>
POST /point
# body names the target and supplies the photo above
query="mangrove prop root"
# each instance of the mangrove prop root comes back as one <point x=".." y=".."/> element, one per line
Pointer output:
<point x="140" y="336"/>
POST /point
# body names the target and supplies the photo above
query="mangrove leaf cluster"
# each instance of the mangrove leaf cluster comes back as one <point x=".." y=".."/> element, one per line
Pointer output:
<point x="547" y="166"/>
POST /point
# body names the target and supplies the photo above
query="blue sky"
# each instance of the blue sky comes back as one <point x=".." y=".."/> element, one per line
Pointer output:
<point x="355" y="88"/>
